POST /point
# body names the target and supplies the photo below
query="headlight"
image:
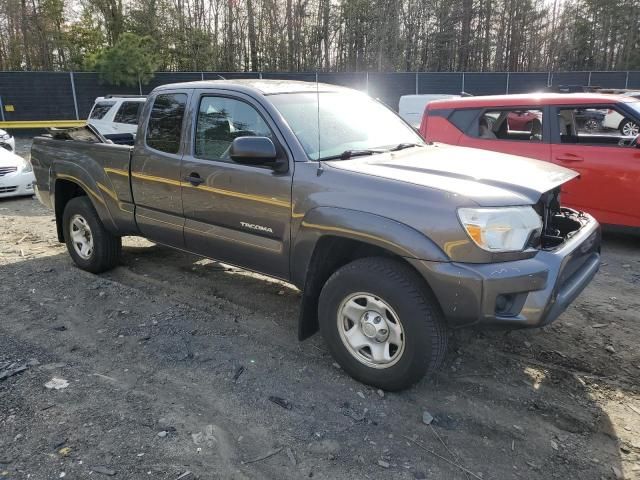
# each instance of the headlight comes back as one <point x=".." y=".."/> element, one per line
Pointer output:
<point x="26" y="168"/>
<point x="500" y="229"/>
<point x="4" y="136"/>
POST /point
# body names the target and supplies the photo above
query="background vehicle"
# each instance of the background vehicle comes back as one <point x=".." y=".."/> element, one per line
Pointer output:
<point x="113" y="115"/>
<point x="608" y="163"/>
<point x="573" y="88"/>
<point x="589" y="119"/>
<point x="618" y="121"/>
<point x="411" y="107"/>
<point x="16" y="175"/>
<point x="522" y="120"/>
<point x="7" y="141"/>
<point x="390" y="240"/>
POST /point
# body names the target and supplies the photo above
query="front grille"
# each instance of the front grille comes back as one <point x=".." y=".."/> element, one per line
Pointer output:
<point x="5" y="170"/>
<point x="8" y="189"/>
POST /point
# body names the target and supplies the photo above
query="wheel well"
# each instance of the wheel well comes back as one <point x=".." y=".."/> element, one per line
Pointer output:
<point x="329" y="255"/>
<point x="64" y="191"/>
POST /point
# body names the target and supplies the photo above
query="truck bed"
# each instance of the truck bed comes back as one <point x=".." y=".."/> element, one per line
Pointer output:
<point x="101" y="168"/>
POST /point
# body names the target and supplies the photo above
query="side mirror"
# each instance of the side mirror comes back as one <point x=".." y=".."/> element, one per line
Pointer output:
<point x="256" y="151"/>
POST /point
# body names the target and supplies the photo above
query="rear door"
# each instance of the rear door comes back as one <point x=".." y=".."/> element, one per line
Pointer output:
<point x="155" y="169"/>
<point x="608" y="163"/>
<point x="235" y="213"/>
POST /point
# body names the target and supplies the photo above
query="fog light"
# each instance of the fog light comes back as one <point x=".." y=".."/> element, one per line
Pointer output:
<point x="504" y="303"/>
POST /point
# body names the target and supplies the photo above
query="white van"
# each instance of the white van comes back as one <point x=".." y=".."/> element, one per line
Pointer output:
<point x="411" y="107"/>
<point x="112" y="115"/>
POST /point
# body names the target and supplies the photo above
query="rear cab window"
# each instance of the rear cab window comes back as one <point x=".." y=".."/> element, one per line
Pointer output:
<point x="100" y="109"/>
<point x="164" y="129"/>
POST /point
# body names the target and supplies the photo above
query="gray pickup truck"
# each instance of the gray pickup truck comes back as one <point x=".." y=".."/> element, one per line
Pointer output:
<point x="392" y="241"/>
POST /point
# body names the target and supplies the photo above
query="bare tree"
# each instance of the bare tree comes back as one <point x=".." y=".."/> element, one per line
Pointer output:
<point x="338" y="35"/>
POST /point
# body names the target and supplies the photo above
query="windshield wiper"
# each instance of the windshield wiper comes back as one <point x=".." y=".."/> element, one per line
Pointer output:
<point x="402" y="146"/>
<point x="352" y="153"/>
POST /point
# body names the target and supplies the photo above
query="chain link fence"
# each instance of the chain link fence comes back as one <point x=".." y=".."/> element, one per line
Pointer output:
<point x="32" y="96"/>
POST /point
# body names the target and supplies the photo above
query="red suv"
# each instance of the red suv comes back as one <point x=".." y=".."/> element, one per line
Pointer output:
<point x="551" y="127"/>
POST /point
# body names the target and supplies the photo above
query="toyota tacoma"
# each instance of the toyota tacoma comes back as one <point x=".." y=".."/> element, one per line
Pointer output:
<point x="391" y="240"/>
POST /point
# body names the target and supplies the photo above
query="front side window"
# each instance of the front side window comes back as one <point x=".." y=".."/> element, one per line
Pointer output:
<point x="220" y="121"/>
<point x="165" y="122"/>
<point x="594" y="125"/>
<point x="100" y="109"/>
<point x="329" y="123"/>
<point x="129" y="113"/>
<point x="516" y="124"/>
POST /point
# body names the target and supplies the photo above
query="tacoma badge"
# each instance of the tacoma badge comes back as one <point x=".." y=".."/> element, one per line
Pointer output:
<point x="253" y="226"/>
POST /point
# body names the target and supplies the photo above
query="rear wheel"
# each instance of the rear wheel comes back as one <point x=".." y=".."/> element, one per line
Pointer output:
<point x="91" y="246"/>
<point x="381" y="323"/>
<point x="629" y="128"/>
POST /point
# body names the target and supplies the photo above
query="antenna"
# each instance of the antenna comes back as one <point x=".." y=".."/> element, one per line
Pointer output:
<point x="221" y="77"/>
<point x="318" y="113"/>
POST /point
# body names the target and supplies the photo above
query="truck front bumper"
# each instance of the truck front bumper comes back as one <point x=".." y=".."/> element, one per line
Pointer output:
<point x="517" y="294"/>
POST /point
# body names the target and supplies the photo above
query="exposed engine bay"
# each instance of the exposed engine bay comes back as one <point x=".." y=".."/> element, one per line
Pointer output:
<point x="558" y="223"/>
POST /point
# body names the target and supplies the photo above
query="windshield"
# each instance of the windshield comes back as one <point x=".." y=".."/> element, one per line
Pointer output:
<point x="348" y="122"/>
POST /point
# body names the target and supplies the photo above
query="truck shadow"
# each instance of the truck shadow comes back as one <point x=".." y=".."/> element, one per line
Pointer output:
<point x="503" y="405"/>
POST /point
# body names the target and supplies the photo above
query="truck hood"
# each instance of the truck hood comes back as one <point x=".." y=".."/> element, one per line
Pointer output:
<point x="488" y="178"/>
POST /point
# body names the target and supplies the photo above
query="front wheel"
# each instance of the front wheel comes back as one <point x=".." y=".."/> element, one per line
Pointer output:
<point x="91" y="246"/>
<point x="629" y="128"/>
<point x="381" y="323"/>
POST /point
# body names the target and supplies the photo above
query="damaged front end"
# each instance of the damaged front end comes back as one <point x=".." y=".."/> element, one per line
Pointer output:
<point x="559" y="223"/>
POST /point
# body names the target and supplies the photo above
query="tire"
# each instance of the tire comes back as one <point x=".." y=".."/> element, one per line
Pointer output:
<point x="591" y="125"/>
<point x="629" y="128"/>
<point x="371" y="283"/>
<point x="78" y="217"/>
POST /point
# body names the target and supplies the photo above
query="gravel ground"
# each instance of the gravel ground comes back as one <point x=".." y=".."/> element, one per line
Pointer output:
<point x="174" y="364"/>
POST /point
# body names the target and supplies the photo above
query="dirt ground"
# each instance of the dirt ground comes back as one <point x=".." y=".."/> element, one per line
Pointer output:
<point x="171" y="361"/>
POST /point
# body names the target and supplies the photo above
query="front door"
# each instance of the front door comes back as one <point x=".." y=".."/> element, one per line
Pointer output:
<point x="608" y="163"/>
<point x="155" y="171"/>
<point x="235" y="213"/>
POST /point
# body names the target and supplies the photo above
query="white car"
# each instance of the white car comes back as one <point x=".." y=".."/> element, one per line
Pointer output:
<point x="113" y="115"/>
<point x="7" y="141"/>
<point x="411" y="107"/>
<point x="614" y="120"/>
<point x="16" y="175"/>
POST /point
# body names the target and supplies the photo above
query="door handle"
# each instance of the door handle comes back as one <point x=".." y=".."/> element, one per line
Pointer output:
<point x="194" y="179"/>
<point x="569" y="157"/>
